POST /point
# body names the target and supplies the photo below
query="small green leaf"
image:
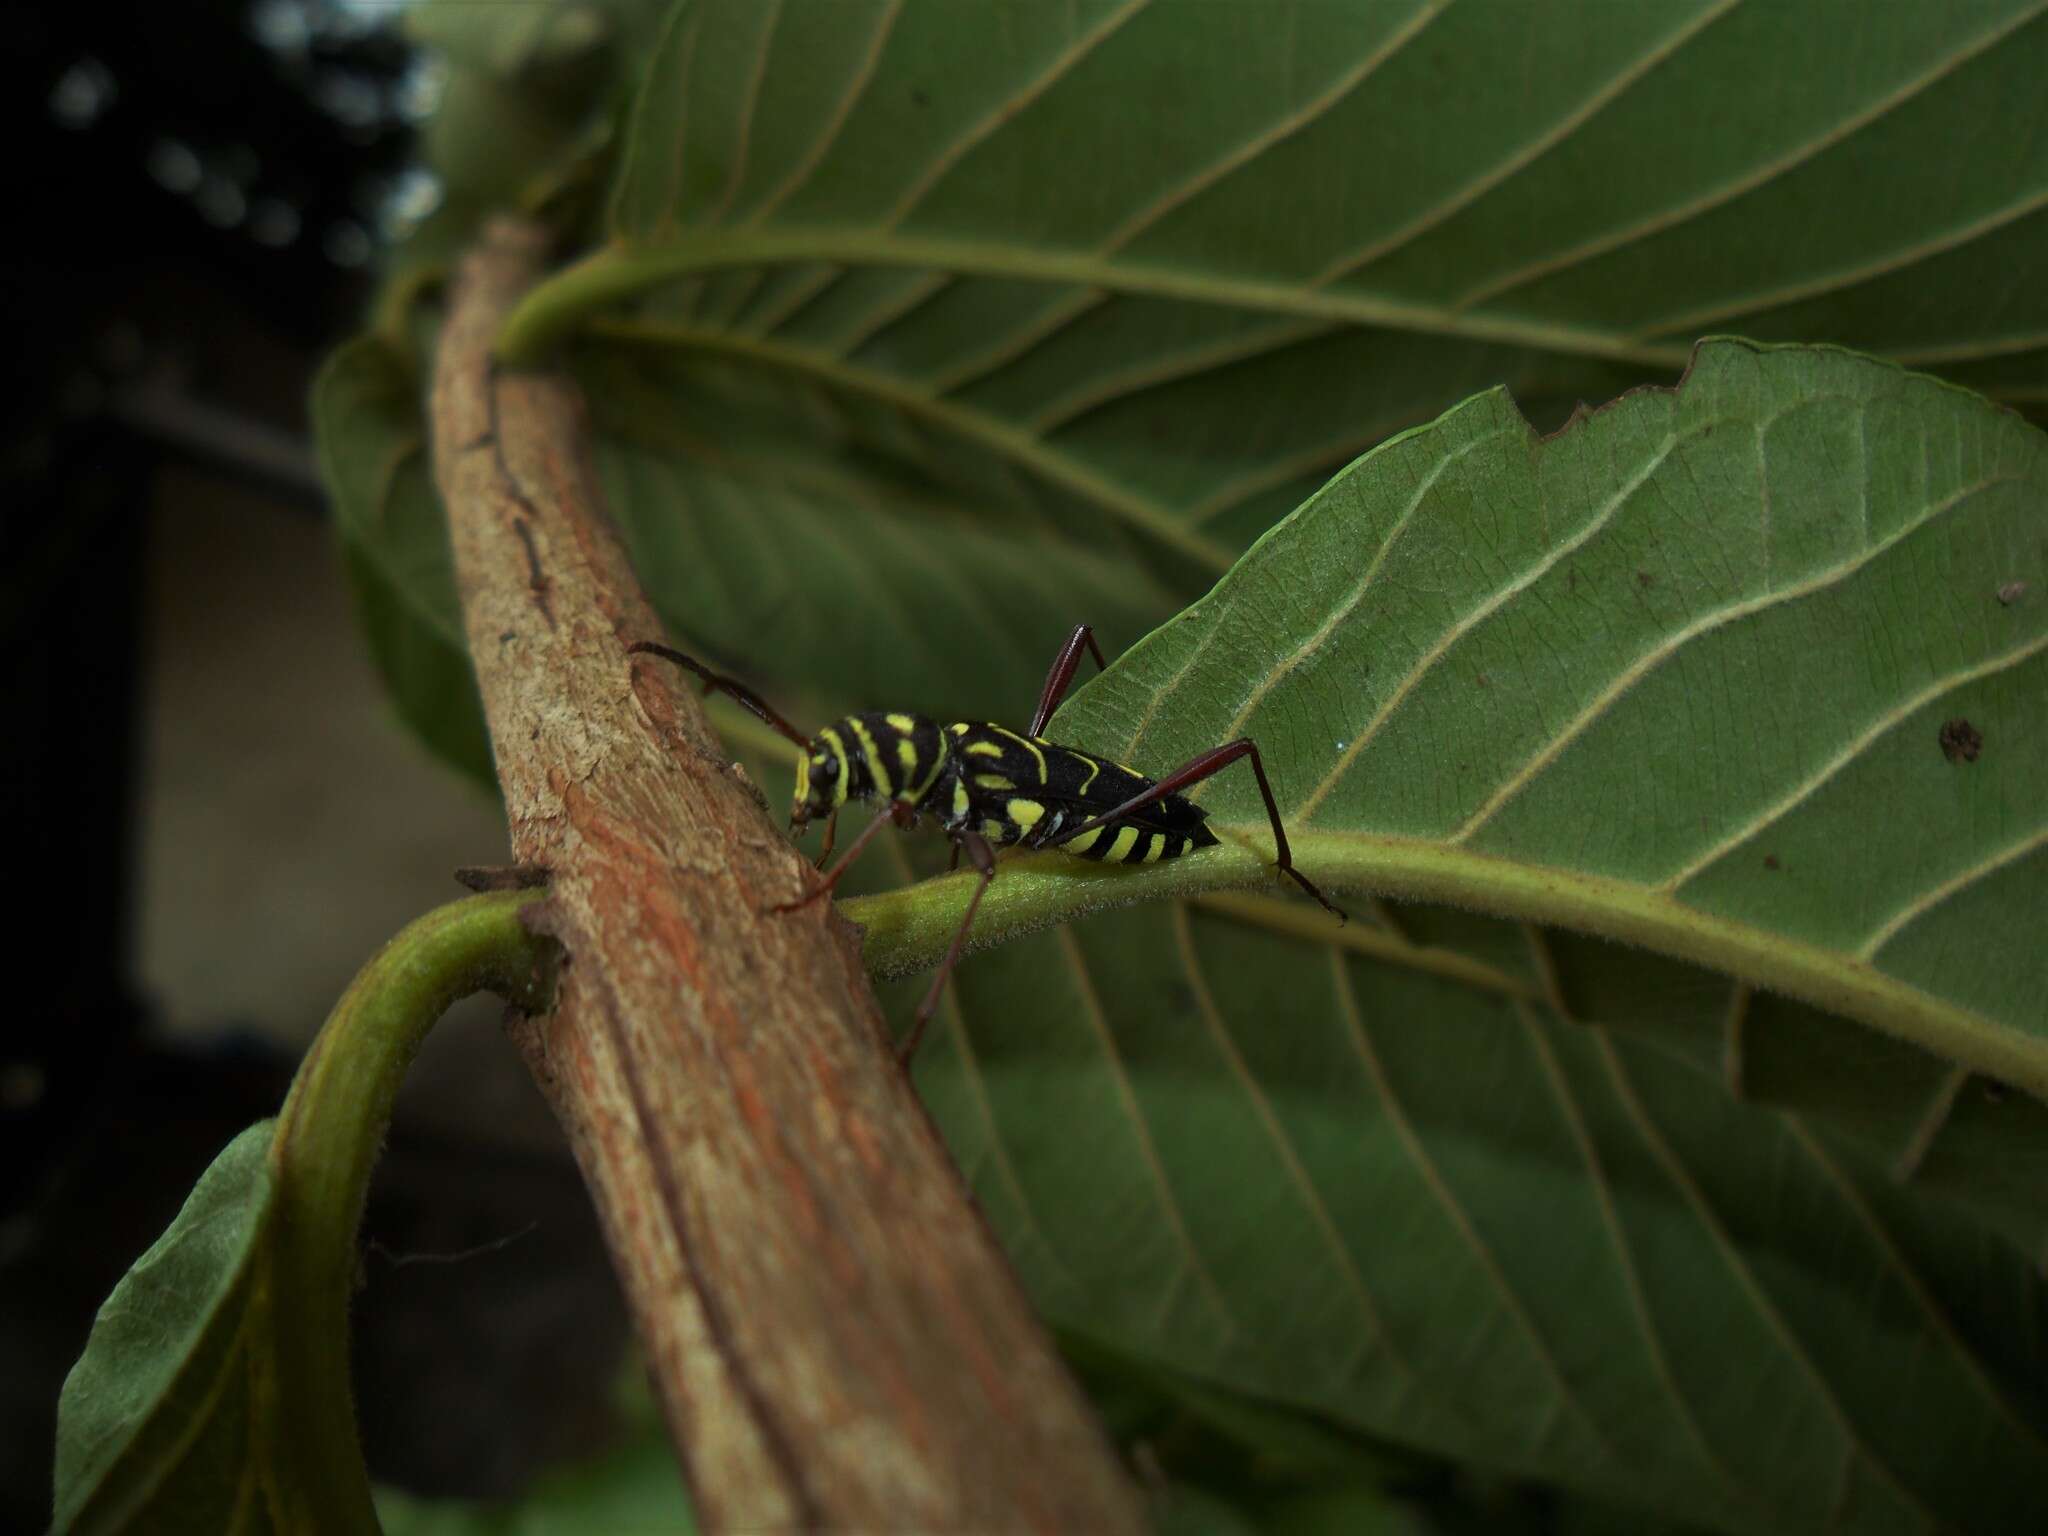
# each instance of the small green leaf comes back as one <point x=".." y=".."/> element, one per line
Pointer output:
<point x="154" y="1421"/>
<point x="213" y="1393"/>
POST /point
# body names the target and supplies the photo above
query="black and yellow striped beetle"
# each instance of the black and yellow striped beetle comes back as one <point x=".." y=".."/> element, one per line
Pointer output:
<point x="988" y="786"/>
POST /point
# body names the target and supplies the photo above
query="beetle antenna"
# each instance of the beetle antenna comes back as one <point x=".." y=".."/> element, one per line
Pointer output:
<point x="738" y="692"/>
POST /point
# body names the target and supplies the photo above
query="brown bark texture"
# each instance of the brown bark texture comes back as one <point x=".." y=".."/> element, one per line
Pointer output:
<point x="836" y="1341"/>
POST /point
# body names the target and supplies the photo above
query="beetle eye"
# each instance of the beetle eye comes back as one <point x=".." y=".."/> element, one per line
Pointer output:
<point x="825" y="768"/>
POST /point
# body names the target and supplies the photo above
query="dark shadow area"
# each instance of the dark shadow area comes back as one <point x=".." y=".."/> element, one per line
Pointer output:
<point x="204" y="188"/>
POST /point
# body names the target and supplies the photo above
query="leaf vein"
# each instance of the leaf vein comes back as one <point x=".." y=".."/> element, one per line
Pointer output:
<point x="1471" y="191"/>
<point x="1932" y="1120"/>
<point x="1745" y="1277"/>
<point x="1363" y="585"/>
<point x="1008" y="110"/>
<point x="1713" y="619"/>
<point x="1760" y="175"/>
<point x="736" y="173"/>
<point x="1914" y="1284"/>
<point x="1881" y="726"/>
<point x="892" y="310"/>
<point x="1928" y="900"/>
<point x="1845" y="277"/>
<point x="1106" y="388"/>
<point x="1283" y="127"/>
<point x="999" y="354"/>
<point x="1549" y="558"/>
<point x="835" y="122"/>
<point x="1132" y="507"/>
<point x="1045" y="326"/>
<point x="1283" y="1145"/>
<point x="1565" y="1399"/>
<point x="1346" y="446"/>
<point x="1640" y="1307"/>
<point x="977" y="1087"/>
<point x="1091" y="1008"/>
<point x="793" y="301"/>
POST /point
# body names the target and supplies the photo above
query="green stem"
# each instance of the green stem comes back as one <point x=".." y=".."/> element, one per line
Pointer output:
<point x="391" y="309"/>
<point x="321" y="1158"/>
<point x="908" y="930"/>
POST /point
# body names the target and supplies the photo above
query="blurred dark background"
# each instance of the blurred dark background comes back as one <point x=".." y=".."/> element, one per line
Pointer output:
<point x="215" y="818"/>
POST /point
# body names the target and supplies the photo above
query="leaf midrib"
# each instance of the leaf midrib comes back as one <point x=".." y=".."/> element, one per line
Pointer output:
<point x="618" y="272"/>
<point x="908" y="930"/>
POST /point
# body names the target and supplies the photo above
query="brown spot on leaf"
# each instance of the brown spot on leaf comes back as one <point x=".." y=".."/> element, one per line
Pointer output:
<point x="1771" y="862"/>
<point x="1481" y="680"/>
<point x="1645" y="580"/>
<point x="1961" y="741"/>
<point x="2012" y="592"/>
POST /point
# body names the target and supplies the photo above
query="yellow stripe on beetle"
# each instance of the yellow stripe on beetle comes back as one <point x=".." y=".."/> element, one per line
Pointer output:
<point x="831" y="739"/>
<point x="876" y="767"/>
<point x="1125" y="841"/>
<point x="1026" y="743"/>
<point x="1026" y="813"/>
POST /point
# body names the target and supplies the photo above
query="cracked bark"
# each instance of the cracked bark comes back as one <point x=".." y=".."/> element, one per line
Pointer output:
<point x="835" y="1339"/>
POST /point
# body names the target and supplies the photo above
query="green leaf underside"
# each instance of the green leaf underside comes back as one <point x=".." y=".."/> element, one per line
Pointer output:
<point x="848" y="234"/>
<point x="1703" y="644"/>
<point x="1428" y="1198"/>
<point x="154" y="1417"/>
<point x="1680" y="674"/>
<point x="872" y="199"/>
<point x="1451" y="1218"/>
<point x="842" y="574"/>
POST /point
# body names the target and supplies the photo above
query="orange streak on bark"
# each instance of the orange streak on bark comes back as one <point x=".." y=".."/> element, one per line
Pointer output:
<point x="835" y="1340"/>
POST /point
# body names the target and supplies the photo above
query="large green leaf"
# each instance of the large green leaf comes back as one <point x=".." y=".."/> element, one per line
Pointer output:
<point x="920" y="329"/>
<point x="1162" y="267"/>
<point x="1677" y="676"/>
